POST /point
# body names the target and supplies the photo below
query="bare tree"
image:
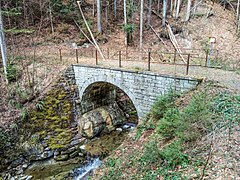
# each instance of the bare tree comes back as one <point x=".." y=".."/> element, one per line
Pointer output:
<point x="141" y="24"/>
<point x="188" y="10"/>
<point x="99" y="25"/>
<point x="115" y="9"/>
<point x="164" y="13"/>
<point x="238" y="16"/>
<point x="3" y="46"/>
<point x="178" y="8"/>
<point x="149" y="13"/>
<point x="125" y="19"/>
<point x="171" y="6"/>
<point x="158" y="6"/>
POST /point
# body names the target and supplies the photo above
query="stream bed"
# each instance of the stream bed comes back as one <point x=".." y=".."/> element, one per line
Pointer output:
<point x="81" y="168"/>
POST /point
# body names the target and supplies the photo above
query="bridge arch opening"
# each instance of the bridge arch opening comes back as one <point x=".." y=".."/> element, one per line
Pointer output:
<point x="100" y="93"/>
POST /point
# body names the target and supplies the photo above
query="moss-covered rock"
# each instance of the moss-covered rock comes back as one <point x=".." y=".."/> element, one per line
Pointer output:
<point x="53" y="122"/>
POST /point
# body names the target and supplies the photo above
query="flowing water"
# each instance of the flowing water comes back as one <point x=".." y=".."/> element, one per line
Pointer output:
<point x="79" y="169"/>
<point x="83" y="172"/>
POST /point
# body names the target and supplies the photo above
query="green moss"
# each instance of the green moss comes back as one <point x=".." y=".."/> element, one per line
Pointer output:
<point x="54" y="120"/>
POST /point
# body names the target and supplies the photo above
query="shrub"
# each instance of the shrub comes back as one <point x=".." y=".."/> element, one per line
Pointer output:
<point x="227" y="106"/>
<point x="4" y="139"/>
<point x="151" y="153"/>
<point x="13" y="72"/>
<point x="170" y="123"/>
<point x="162" y="104"/>
<point x="111" y="162"/>
<point x="172" y="155"/>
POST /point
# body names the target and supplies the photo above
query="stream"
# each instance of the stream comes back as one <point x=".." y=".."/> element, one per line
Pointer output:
<point x="83" y="172"/>
<point x="81" y="169"/>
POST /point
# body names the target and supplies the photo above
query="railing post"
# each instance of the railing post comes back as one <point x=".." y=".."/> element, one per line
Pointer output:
<point x="175" y="55"/>
<point x="149" y="60"/>
<point x="96" y="55"/>
<point x="120" y="59"/>
<point x="206" y="60"/>
<point x="188" y="59"/>
<point x="77" y="55"/>
<point x="126" y="52"/>
<point x="60" y="54"/>
<point x="108" y="53"/>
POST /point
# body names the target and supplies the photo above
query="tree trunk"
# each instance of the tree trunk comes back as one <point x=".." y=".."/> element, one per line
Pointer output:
<point x="115" y="9"/>
<point x="125" y="20"/>
<point x="164" y="13"/>
<point x="238" y="16"/>
<point x="158" y="7"/>
<point x="175" y="6"/>
<point x="106" y="12"/>
<point x="195" y="6"/>
<point x="99" y="25"/>
<point x="141" y="24"/>
<point x="51" y="18"/>
<point x="93" y="9"/>
<point x="3" y="46"/>
<point x="149" y="14"/>
<point x="188" y="10"/>
<point x="171" y="7"/>
<point x="178" y="8"/>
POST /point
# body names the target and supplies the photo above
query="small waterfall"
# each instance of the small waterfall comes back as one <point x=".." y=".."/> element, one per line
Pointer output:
<point x="82" y="172"/>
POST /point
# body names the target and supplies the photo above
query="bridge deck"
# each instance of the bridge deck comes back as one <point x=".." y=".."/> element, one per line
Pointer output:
<point x="226" y="78"/>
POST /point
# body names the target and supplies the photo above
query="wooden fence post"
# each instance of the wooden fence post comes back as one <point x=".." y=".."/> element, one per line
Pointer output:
<point x="188" y="59"/>
<point x="96" y="56"/>
<point x="120" y="59"/>
<point x="206" y="58"/>
<point x="126" y="52"/>
<point x="149" y="60"/>
<point x="175" y="55"/>
<point x="77" y="55"/>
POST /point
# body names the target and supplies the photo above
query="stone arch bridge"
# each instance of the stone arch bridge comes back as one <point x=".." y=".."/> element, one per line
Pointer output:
<point x="97" y="86"/>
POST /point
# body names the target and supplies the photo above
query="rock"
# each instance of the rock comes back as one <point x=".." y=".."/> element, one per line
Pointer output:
<point x="77" y="142"/>
<point x="24" y="166"/>
<point x="47" y="149"/>
<point x="29" y="177"/>
<point x="81" y="154"/>
<point x="82" y="147"/>
<point x="26" y="178"/>
<point x="62" y="157"/>
<point x="56" y="153"/>
<point x="17" y="162"/>
<point x="69" y="151"/>
<point x="119" y="129"/>
<point x="94" y="122"/>
<point x="19" y="172"/>
<point x="110" y="129"/>
<point x="74" y="154"/>
<point x="46" y="154"/>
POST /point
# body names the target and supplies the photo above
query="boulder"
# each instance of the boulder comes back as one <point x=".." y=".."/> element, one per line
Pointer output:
<point x="94" y="122"/>
<point x="61" y="157"/>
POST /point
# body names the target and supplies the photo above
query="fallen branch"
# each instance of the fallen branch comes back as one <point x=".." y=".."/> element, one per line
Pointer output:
<point x="84" y="34"/>
<point x="174" y="42"/>
<point x="89" y="30"/>
<point x="157" y="35"/>
<point x="172" y="37"/>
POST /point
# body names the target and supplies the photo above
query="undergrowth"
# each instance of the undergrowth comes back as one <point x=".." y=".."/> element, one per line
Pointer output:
<point x="174" y="130"/>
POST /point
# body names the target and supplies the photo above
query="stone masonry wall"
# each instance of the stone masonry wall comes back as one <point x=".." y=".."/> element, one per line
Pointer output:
<point x="143" y="88"/>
